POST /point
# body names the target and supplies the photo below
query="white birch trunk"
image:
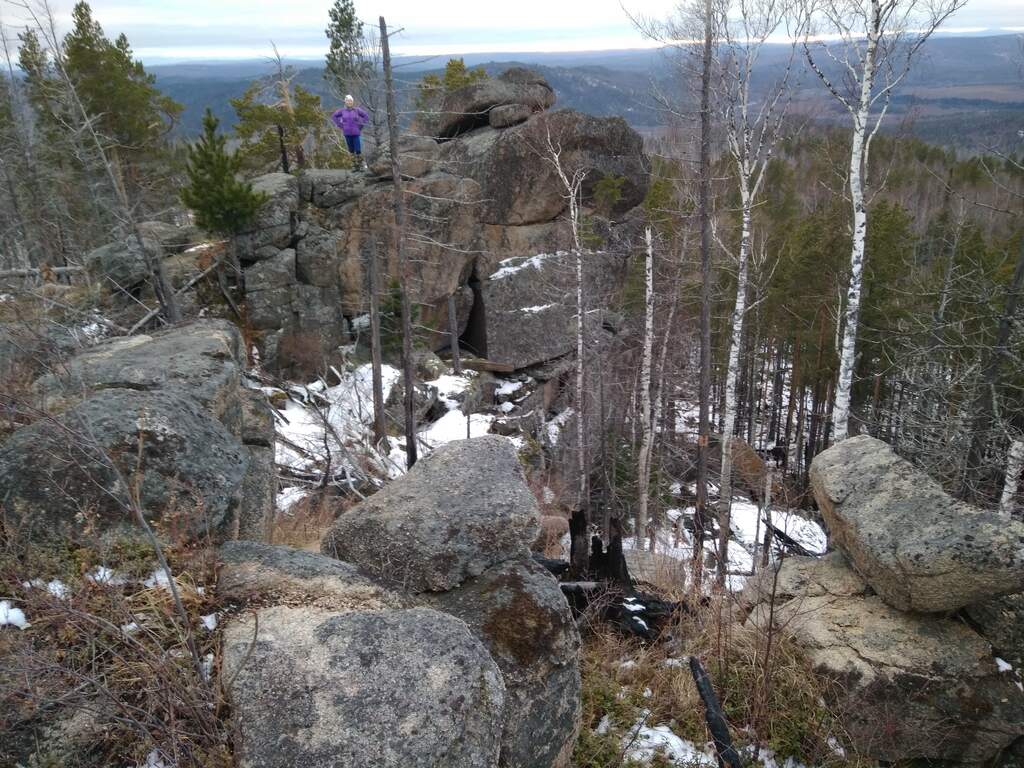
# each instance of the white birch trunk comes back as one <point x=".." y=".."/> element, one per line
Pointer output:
<point x="1014" y="468"/>
<point x="731" y="379"/>
<point x="847" y="352"/>
<point x="644" y="468"/>
<point x="580" y="330"/>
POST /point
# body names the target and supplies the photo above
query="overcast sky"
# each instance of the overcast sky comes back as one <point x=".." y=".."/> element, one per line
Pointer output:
<point x="226" y="29"/>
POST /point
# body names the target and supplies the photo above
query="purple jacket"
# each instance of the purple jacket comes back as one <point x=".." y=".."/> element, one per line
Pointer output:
<point x="350" y="121"/>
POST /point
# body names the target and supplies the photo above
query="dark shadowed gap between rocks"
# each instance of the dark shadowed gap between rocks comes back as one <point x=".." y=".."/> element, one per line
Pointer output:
<point x="474" y="338"/>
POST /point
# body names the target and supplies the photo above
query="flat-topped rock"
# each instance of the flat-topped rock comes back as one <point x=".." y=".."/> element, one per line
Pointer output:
<point x="200" y="360"/>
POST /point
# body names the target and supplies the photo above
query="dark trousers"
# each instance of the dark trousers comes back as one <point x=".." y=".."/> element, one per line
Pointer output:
<point x="355" y="146"/>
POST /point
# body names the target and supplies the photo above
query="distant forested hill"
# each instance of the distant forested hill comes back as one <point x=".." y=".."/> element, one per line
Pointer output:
<point x="965" y="92"/>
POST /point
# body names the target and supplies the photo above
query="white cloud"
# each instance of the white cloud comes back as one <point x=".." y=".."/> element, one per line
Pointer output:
<point x="184" y="29"/>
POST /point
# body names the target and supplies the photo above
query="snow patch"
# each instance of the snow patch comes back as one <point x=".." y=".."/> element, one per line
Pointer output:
<point x="644" y="743"/>
<point x="55" y="587"/>
<point x="103" y="575"/>
<point x="511" y="266"/>
<point x="11" y="616"/>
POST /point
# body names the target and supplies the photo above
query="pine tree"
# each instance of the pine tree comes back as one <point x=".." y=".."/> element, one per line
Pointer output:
<point x="280" y="122"/>
<point x="221" y="202"/>
<point x="115" y="88"/>
<point x="456" y="75"/>
<point x="345" y="36"/>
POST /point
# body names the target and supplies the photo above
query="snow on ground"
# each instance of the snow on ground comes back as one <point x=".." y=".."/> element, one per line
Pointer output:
<point x="316" y="418"/>
<point x="747" y="538"/>
<point x="289" y="497"/>
<point x="644" y="742"/>
<point x="11" y="616"/>
<point x="347" y="414"/>
<point x="508" y="387"/>
<point x="55" y="587"/>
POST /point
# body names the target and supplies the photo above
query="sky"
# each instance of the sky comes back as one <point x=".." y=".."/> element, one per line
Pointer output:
<point x="179" y="30"/>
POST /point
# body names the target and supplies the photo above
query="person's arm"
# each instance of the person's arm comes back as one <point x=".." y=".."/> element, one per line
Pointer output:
<point x="364" y="116"/>
<point x="336" y="119"/>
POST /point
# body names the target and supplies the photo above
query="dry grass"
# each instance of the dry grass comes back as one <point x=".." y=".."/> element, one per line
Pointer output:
<point x="303" y="526"/>
<point x="771" y="697"/>
<point x="104" y="676"/>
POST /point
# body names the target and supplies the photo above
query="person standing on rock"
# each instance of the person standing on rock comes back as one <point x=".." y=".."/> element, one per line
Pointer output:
<point x="350" y="119"/>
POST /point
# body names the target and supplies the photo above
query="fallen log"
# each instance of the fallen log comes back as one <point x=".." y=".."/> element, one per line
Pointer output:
<point x="715" y="718"/>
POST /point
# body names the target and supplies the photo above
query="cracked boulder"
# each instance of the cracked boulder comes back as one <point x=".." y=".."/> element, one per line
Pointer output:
<point x="275" y="222"/>
<point x="517" y="609"/>
<point x="518" y="185"/>
<point x="905" y="686"/>
<point x="123" y="266"/>
<point x="461" y="510"/>
<point x="530" y="306"/>
<point x="915" y="545"/>
<point x="168" y="409"/>
<point x="199" y="360"/>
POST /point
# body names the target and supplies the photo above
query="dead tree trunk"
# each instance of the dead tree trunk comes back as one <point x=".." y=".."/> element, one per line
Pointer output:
<point x="379" y="424"/>
<point x="700" y="511"/>
<point x="453" y="334"/>
<point x="403" y="266"/>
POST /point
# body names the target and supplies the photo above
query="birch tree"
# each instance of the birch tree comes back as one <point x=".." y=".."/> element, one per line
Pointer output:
<point x="571" y="180"/>
<point x="877" y="41"/>
<point x="751" y="131"/>
<point x="647" y="424"/>
<point x="1014" y="469"/>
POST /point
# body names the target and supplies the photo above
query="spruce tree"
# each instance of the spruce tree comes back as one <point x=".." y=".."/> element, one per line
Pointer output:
<point x="222" y="203"/>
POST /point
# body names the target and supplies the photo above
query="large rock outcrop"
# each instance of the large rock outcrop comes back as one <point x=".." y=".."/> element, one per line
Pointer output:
<point x="63" y="476"/>
<point x="124" y="267"/>
<point x="481" y="193"/>
<point x="916" y="546"/>
<point x="530" y="306"/>
<point x="167" y="411"/>
<point x="906" y="686"/>
<point x="520" y="185"/>
<point x="458" y="512"/>
<point x="389" y="689"/>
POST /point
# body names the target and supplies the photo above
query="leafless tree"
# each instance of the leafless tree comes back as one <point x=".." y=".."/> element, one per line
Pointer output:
<point x="877" y="41"/>
<point x="408" y="379"/>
